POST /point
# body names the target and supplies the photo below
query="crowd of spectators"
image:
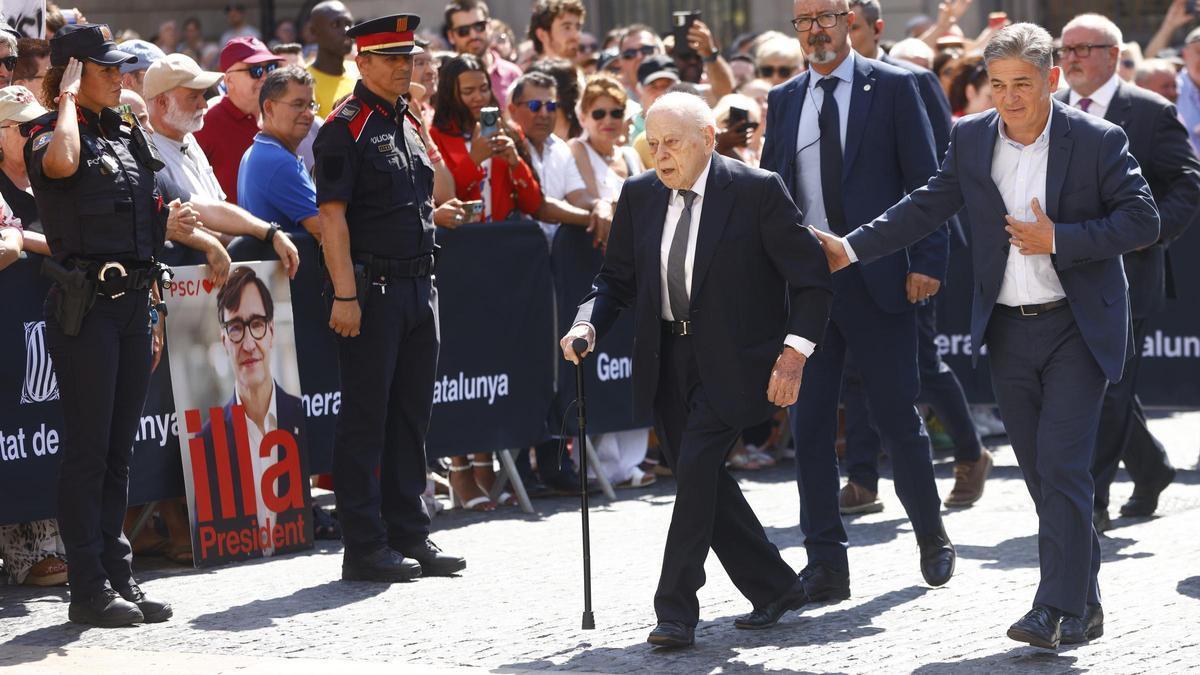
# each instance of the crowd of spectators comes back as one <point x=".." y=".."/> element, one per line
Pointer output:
<point x="541" y="122"/>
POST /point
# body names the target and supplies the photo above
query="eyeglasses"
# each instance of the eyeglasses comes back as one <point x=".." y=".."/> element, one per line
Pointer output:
<point x="1080" y="51"/>
<point x="300" y="106"/>
<point x="236" y="328"/>
<point x="536" y="105"/>
<point x="1128" y="63"/>
<point x="9" y="62"/>
<point x="257" y="72"/>
<point x="477" y="27"/>
<point x="587" y="47"/>
<point x="803" y="24"/>
<point x="616" y="113"/>
<point x="644" y="50"/>
<point x="769" y="71"/>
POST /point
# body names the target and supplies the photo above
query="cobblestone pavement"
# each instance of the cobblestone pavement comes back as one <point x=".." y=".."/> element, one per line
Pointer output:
<point x="517" y="607"/>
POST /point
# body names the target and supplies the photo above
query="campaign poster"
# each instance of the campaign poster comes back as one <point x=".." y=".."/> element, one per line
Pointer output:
<point x="237" y="394"/>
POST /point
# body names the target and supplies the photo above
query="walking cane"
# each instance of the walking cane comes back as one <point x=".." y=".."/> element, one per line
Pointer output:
<point x="580" y="346"/>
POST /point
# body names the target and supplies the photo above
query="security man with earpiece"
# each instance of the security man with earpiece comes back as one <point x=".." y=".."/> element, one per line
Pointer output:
<point x="105" y="221"/>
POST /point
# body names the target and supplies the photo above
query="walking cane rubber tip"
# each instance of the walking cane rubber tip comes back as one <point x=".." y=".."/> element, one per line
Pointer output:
<point x="589" y="621"/>
<point x="580" y="346"/>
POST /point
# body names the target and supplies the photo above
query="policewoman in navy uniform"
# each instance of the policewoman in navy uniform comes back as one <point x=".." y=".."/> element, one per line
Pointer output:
<point x="375" y="196"/>
<point x="105" y="221"/>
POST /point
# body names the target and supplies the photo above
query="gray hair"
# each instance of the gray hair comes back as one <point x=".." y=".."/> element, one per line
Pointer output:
<point x="868" y="9"/>
<point x="10" y="41"/>
<point x="277" y="83"/>
<point x="1152" y="66"/>
<point x="1026" y="41"/>
<point x="912" y="48"/>
<point x="1097" y="22"/>
<point x="687" y="105"/>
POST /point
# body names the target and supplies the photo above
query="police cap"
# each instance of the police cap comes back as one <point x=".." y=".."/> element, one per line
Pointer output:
<point x="387" y="35"/>
<point x="93" y="42"/>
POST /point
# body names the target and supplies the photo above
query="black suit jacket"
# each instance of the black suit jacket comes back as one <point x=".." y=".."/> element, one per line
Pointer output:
<point x="757" y="277"/>
<point x="1159" y="142"/>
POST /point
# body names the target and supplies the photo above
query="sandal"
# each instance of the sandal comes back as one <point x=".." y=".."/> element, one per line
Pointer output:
<point x="740" y="460"/>
<point x="487" y="479"/>
<point x="51" y="571"/>
<point x="460" y="491"/>
<point x="324" y="525"/>
<point x="639" y="479"/>
<point x="180" y="554"/>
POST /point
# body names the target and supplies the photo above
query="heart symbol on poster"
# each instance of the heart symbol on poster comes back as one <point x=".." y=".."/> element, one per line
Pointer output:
<point x="208" y="286"/>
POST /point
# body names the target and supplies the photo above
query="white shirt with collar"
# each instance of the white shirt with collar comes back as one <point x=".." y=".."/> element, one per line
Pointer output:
<point x="1019" y="172"/>
<point x="188" y="166"/>
<point x="259" y="465"/>
<point x="556" y="171"/>
<point x="1101" y="98"/>
<point x="808" y="141"/>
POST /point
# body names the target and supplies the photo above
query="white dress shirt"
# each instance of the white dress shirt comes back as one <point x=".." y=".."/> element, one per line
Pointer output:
<point x="1101" y="98"/>
<point x="259" y="465"/>
<point x="188" y="166"/>
<point x="808" y="141"/>
<point x="1019" y="172"/>
<point x="556" y="170"/>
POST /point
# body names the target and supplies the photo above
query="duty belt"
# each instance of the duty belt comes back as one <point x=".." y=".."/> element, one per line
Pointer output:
<point x="379" y="268"/>
<point x="114" y="278"/>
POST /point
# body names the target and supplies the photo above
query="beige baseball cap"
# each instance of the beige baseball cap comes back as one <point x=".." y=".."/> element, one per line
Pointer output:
<point x="176" y="70"/>
<point x="19" y="104"/>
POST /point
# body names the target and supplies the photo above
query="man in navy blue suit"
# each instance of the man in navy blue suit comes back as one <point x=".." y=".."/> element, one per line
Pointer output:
<point x="1051" y="300"/>
<point x="849" y="138"/>
<point x="730" y="296"/>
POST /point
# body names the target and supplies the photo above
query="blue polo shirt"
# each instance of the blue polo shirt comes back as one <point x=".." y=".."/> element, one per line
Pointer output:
<point x="274" y="185"/>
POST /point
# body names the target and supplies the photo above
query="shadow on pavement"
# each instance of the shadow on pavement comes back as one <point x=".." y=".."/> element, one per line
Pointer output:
<point x="1190" y="587"/>
<point x="1022" y="552"/>
<point x="263" y="613"/>
<point x="1017" y="660"/>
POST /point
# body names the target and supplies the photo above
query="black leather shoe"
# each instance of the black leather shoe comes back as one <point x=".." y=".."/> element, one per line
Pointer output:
<point x="153" y="611"/>
<point x="105" y="609"/>
<point x="1077" y="631"/>
<point x="383" y="565"/>
<point x="769" y="615"/>
<point x="1040" y="627"/>
<point x="672" y="635"/>
<point x="1101" y="521"/>
<point x="1144" y="501"/>
<point x="937" y="558"/>
<point x="434" y="563"/>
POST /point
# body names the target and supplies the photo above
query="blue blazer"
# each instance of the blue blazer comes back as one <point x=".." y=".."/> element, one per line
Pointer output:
<point x="757" y="277"/>
<point x="1095" y="194"/>
<point x="889" y="152"/>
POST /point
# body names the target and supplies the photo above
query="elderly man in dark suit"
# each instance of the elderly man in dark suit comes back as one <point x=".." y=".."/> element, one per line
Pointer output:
<point x="730" y="297"/>
<point x="1050" y="295"/>
<point x="1090" y="52"/>
<point x="850" y="137"/>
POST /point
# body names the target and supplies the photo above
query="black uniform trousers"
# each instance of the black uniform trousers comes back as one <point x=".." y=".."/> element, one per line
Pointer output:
<point x="710" y="510"/>
<point x="1049" y="389"/>
<point x="1124" y="435"/>
<point x="387" y="375"/>
<point x="103" y="375"/>
<point x="940" y="389"/>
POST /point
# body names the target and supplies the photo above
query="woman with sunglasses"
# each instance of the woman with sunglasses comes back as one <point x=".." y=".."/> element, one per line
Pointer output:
<point x="604" y="163"/>
<point x="779" y="60"/>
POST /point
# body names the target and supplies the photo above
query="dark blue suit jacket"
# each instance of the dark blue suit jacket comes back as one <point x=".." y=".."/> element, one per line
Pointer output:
<point x="889" y="152"/>
<point x="1159" y="143"/>
<point x="1095" y="194"/>
<point x="757" y="277"/>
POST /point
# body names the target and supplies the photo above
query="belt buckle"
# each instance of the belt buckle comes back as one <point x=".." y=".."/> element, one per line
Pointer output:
<point x="685" y="327"/>
<point x="104" y="269"/>
<point x="1024" y="313"/>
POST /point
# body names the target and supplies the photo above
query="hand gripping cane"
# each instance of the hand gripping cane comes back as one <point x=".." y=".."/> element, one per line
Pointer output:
<point x="580" y="346"/>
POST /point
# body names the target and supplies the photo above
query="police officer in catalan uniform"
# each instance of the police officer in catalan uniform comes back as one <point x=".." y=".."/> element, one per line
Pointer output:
<point x="92" y="172"/>
<point x="375" y="196"/>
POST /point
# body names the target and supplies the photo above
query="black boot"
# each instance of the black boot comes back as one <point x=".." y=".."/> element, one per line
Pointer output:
<point x="383" y="565"/>
<point x="434" y="563"/>
<point x="153" y="611"/>
<point x="105" y="609"/>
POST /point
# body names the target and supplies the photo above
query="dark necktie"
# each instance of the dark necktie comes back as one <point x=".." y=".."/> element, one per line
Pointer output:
<point x="676" y="259"/>
<point x="1084" y="104"/>
<point x="830" y="124"/>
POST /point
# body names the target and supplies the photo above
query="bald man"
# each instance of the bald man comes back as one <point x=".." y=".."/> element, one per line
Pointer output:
<point x="333" y="77"/>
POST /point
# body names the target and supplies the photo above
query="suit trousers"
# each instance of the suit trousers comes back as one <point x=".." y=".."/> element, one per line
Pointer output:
<point x="1050" y="388"/>
<point x="710" y="510"/>
<point x="884" y="347"/>
<point x="1124" y="435"/>
<point x="387" y="376"/>
<point x="103" y="376"/>
<point x="940" y="389"/>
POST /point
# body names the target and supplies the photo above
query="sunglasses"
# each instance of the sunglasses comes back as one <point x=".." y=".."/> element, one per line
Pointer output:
<point x="615" y="113"/>
<point x="769" y="71"/>
<point x="9" y="62"/>
<point x="644" y="50"/>
<point x="477" y="27"/>
<point x="259" y="71"/>
<point x="536" y="105"/>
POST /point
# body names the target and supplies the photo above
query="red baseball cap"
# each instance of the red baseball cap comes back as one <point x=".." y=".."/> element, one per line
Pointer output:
<point x="248" y="49"/>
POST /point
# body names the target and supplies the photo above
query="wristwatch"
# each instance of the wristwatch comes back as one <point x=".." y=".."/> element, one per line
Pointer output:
<point x="271" y="233"/>
<point x="712" y="58"/>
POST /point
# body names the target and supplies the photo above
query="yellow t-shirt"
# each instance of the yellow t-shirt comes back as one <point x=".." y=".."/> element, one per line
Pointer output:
<point x="330" y="88"/>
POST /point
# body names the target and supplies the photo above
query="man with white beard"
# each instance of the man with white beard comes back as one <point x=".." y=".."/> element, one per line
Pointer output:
<point x="174" y="90"/>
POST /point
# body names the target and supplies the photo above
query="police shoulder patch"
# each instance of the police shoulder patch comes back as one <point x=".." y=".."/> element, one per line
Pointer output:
<point x="348" y="110"/>
<point x="42" y="141"/>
